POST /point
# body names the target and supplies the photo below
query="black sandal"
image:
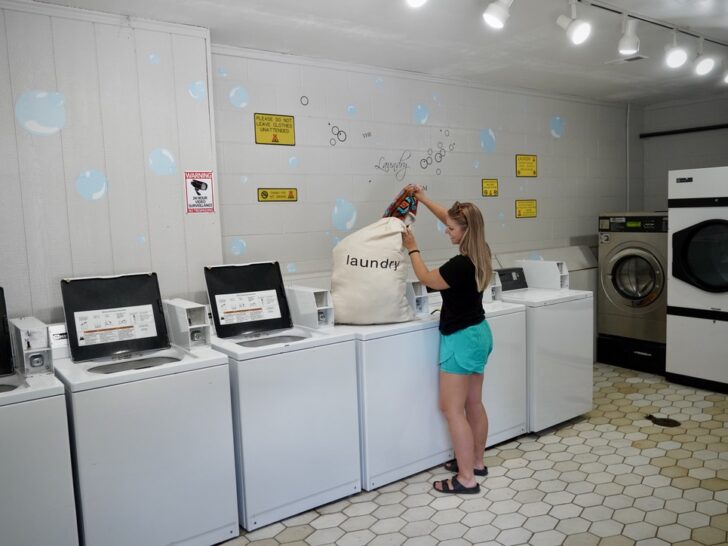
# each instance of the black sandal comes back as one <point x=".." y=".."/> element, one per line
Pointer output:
<point x="457" y="488"/>
<point x="452" y="466"/>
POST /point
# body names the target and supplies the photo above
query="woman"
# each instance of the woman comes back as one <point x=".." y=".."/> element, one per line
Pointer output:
<point x="465" y="337"/>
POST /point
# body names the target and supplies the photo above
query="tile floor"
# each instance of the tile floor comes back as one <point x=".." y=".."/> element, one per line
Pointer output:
<point x="611" y="478"/>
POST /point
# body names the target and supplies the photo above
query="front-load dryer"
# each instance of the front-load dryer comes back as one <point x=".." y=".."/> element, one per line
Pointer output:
<point x="632" y="295"/>
<point x="697" y="300"/>
<point x="151" y="423"/>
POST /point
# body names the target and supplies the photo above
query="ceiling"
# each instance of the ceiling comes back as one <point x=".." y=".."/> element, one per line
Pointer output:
<point x="448" y="38"/>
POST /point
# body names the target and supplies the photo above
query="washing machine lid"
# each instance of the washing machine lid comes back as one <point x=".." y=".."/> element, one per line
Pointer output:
<point x="112" y="316"/>
<point x="700" y="255"/>
<point x="500" y="308"/>
<point x="26" y="389"/>
<point x="6" y="354"/>
<point x="247" y="298"/>
<point x="538" y="297"/>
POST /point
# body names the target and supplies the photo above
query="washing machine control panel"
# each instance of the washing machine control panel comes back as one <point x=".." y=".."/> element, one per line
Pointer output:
<point x="633" y="224"/>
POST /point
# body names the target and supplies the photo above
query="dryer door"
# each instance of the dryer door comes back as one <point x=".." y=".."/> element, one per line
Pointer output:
<point x="637" y="278"/>
<point x="700" y="255"/>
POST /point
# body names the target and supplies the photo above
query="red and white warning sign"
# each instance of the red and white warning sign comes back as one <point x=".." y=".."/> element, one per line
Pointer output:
<point x="198" y="190"/>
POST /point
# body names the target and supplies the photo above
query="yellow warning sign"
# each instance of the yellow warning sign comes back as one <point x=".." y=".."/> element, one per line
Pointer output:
<point x="274" y="129"/>
<point x="526" y="165"/>
<point x="277" y="194"/>
<point x="490" y="187"/>
<point x="526" y="208"/>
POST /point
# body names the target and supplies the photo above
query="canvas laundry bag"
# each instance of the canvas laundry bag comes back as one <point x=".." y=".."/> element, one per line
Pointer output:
<point x="369" y="276"/>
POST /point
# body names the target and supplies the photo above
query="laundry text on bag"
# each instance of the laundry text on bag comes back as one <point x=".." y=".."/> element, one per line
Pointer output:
<point x="373" y="264"/>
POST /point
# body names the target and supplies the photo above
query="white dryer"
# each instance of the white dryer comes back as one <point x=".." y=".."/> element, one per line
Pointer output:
<point x="37" y="504"/>
<point x="560" y="348"/>
<point x="294" y="396"/>
<point x="151" y="424"/>
<point x="697" y="281"/>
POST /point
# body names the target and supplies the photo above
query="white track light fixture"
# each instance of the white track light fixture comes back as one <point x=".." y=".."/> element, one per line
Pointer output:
<point x="577" y="30"/>
<point x="497" y="13"/>
<point x="629" y="43"/>
<point x="704" y="64"/>
<point x="725" y="78"/>
<point x="675" y="56"/>
<point x="416" y="3"/>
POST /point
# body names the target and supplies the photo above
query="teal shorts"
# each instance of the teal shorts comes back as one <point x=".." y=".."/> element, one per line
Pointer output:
<point x="466" y="351"/>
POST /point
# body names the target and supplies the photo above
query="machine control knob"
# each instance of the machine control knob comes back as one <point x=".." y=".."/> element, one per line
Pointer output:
<point x="36" y="361"/>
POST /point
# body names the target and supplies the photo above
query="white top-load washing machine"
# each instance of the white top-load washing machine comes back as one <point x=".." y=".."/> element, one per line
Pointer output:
<point x="294" y="396"/>
<point x="559" y="343"/>
<point x="36" y="481"/>
<point x="151" y="423"/>
<point x="697" y="278"/>
<point x="402" y="429"/>
<point x="505" y="394"/>
<point x="504" y="381"/>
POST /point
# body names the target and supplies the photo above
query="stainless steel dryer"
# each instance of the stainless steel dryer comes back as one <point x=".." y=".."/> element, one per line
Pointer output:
<point x="632" y="295"/>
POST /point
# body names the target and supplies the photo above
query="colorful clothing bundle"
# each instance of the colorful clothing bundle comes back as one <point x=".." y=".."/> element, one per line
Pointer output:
<point x="403" y="207"/>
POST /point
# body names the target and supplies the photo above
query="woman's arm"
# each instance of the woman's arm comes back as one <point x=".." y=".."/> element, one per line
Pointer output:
<point x="437" y="209"/>
<point x="430" y="278"/>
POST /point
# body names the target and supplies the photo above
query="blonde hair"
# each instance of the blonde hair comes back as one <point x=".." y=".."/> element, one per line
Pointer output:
<point x="473" y="244"/>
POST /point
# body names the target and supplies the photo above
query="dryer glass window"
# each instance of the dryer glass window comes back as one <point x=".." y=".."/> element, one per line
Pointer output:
<point x="634" y="277"/>
<point x="707" y="255"/>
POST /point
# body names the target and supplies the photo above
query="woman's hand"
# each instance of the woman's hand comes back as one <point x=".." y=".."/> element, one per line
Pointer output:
<point x="415" y="189"/>
<point x="408" y="239"/>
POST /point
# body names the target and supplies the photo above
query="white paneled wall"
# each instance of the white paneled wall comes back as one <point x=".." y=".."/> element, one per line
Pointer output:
<point x="581" y="157"/>
<point x="86" y="98"/>
<point x="683" y="151"/>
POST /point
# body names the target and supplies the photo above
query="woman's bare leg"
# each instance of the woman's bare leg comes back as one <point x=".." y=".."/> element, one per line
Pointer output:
<point x="453" y="394"/>
<point x="477" y="418"/>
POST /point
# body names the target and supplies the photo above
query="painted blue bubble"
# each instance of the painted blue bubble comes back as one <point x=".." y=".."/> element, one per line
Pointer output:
<point x="487" y="140"/>
<point x="501" y="216"/>
<point x="351" y="110"/>
<point x="291" y="268"/>
<point x="238" y="247"/>
<point x="441" y="227"/>
<point x="420" y="114"/>
<point x="222" y="72"/>
<point x="476" y="164"/>
<point x="162" y="162"/>
<point x="197" y="90"/>
<point x="344" y="215"/>
<point x="556" y="126"/>
<point x="141" y="240"/>
<point x="379" y="82"/>
<point x="436" y="98"/>
<point x="153" y="58"/>
<point x="239" y="97"/>
<point x="243" y="179"/>
<point x="534" y="255"/>
<point x="91" y="185"/>
<point x="41" y="112"/>
<point x="293" y="161"/>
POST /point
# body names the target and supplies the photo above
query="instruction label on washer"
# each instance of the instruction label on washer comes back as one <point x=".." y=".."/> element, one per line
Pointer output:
<point x="111" y="325"/>
<point x="247" y="306"/>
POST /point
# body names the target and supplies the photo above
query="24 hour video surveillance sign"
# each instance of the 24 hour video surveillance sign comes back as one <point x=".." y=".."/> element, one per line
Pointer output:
<point x="198" y="191"/>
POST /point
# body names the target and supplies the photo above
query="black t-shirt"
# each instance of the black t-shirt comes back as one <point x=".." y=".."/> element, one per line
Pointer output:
<point x="462" y="304"/>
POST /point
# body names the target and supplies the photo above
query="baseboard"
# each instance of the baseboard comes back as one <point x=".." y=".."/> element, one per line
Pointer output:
<point x="705" y="384"/>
